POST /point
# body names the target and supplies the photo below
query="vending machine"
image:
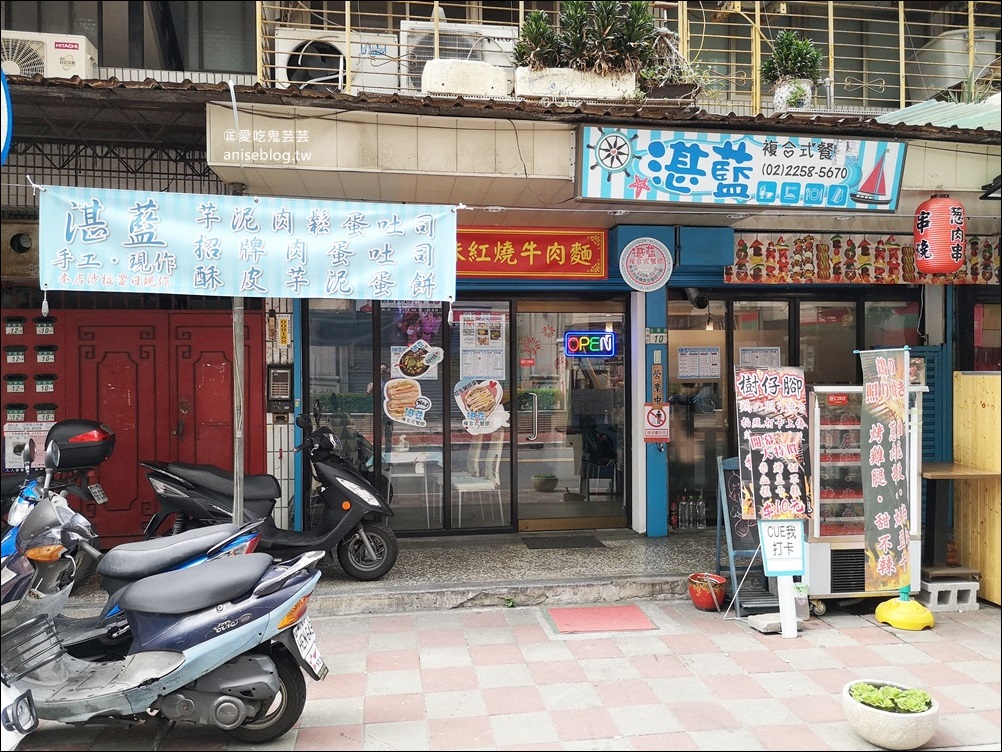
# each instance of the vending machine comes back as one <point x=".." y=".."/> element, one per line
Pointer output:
<point x="835" y="543"/>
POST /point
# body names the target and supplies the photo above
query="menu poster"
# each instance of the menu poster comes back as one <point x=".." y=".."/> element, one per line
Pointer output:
<point x="771" y="404"/>
<point x="883" y="426"/>
<point x="482" y="345"/>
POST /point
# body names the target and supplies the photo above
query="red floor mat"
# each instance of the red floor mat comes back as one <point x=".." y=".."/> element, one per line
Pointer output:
<point x="600" y="619"/>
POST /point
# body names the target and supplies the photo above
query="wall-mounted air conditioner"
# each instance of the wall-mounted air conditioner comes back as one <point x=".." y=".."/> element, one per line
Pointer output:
<point x="25" y="53"/>
<point x="943" y="62"/>
<point x="456" y="41"/>
<point x="317" y="59"/>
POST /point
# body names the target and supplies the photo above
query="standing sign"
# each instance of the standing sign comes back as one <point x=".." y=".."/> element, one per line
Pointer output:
<point x="884" y="442"/>
<point x="771" y="408"/>
<point x="782" y="547"/>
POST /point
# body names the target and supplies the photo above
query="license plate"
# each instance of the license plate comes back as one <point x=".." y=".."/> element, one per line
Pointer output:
<point x="306" y="642"/>
<point x="97" y="493"/>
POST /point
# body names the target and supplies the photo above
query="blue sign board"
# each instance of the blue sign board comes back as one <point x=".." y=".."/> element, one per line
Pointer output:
<point x="100" y="240"/>
<point x="739" y="169"/>
<point x="600" y="344"/>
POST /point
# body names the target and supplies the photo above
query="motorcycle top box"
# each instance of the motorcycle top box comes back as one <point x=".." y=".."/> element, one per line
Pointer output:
<point x="80" y="444"/>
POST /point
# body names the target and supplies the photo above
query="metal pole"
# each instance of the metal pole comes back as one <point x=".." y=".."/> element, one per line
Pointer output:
<point x="238" y="411"/>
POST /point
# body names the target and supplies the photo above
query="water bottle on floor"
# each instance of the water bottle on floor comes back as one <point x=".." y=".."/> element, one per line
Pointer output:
<point x="701" y="511"/>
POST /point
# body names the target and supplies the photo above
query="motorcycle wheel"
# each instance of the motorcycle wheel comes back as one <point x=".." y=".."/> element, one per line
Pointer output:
<point x="284" y="710"/>
<point x="85" y="569"/>
<point x="354" y="559"/>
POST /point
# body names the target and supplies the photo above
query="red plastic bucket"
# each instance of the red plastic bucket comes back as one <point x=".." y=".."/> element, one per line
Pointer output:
<point x="707" y="591"/>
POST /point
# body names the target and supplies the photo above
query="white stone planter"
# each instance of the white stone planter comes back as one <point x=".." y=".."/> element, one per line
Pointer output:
<point x="796" y="92"/>
<point x="561" y="84"/>
<point x="470" y="78"/>
<point x="884" y="728"/>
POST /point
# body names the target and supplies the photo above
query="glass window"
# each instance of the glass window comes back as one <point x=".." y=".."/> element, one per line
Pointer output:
<point x="891" y="324"/>
<point x="987" y="339"/>
<point x="828" y="342"/>
<point x="762" y="332"/>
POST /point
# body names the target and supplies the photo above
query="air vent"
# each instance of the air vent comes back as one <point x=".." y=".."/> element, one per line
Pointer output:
<point x="848" y="570"/>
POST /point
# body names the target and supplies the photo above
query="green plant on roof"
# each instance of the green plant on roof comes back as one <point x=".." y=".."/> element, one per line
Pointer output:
<point x="792" y="56"/>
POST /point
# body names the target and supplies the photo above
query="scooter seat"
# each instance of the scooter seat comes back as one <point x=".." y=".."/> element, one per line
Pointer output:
<point x="256" y="487"/>
<point x="133" y="561"/>
<point x="219" y="581"/>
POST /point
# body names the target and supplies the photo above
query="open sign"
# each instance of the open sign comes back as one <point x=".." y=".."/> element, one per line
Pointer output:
<point x="601" y="344"/>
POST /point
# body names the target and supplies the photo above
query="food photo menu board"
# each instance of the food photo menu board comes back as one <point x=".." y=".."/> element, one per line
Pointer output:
<point x="481" y="345"/>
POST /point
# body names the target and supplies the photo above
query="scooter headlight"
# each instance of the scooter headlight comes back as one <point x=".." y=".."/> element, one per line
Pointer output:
<point x="18" y="511"/>
<point x="361" y="492"/>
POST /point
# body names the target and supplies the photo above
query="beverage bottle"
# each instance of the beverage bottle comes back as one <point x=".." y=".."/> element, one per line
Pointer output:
<point x="673" y="513"/>
<point x="683" y="513"/>
<point x="693" y="519"/>
<point x="700" y="511"/>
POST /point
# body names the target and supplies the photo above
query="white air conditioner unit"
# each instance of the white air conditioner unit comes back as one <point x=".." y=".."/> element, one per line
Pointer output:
<point x="317" y="59"/>
<point x="456" y="41"/>
<point x="25" y="53"/>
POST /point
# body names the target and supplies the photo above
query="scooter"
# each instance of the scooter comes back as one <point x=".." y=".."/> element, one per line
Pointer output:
<point x="38" y="578"/>
<point x="85" y="444"/>
<point x="352" y="517"/>
<point x="226" y="649"/>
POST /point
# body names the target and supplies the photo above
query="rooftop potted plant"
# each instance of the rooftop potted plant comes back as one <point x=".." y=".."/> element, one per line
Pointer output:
<point x="667" y="74"/>
<point x="594" y="53"/>
<point x="890" y="715"/>
<point x="793" y="69"/>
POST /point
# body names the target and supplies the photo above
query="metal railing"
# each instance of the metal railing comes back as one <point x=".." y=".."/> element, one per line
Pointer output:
<point x="877" y="55"/>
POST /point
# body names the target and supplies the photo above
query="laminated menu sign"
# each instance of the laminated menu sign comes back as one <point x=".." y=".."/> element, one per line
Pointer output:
<point x="771" y="407"/>
<point x="883" y="435"/>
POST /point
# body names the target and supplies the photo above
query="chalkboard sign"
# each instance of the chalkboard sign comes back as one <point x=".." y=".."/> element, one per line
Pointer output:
<point x="742" y="535"/>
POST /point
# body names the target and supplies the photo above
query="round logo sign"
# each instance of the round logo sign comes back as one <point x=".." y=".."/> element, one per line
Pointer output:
<point x="645" y="264"/>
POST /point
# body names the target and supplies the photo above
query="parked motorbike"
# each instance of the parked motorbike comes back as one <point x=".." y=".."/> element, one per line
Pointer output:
<point x="227" y="649"/>
<point x="350" y="514"/>
<point x="85" y="444"/>
<point x="38" y="577"/>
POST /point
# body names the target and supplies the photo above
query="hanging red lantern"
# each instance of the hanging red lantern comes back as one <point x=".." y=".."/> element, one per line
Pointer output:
<point x="939" y="235"/>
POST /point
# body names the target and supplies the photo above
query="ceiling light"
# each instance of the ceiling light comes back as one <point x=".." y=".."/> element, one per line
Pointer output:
<point x="494" y="209"/>
<point x="738" y="216"/>
<point x="843" y="217"/>
<point x="618" y="213"/>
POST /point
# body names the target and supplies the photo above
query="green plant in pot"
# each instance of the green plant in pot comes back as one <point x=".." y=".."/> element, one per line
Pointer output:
<point x="667" y="74"/>
<point x="890" y="715"/>
<point x="606" y="39"/>
<point x="794" y="60"/>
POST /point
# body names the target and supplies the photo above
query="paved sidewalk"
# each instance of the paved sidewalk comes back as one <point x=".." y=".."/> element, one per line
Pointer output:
<point x="505" y="678"/>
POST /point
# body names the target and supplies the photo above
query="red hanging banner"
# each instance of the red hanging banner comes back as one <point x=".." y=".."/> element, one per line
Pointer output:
<point x="531" y="253"/>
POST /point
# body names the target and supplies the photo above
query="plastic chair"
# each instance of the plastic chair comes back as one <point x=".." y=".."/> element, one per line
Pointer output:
<point x="485" y="478"/>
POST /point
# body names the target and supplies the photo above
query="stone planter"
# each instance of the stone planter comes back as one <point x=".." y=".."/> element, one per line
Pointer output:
<point x="791" y="93"/>
<point x="471" y="78"/>
<point x="683" y="92"/>
<point x="559" y="84"/>
<point x="541" y="483"/>
<point x="885" y="728"/>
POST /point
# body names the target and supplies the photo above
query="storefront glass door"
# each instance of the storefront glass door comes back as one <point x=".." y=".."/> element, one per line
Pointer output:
<point x="570" y="415"/>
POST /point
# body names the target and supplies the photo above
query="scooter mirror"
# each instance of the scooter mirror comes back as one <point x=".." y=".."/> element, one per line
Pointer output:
<point x="52" y="455"/>
<point x="304" y="422"/>
<point x="28" y="453"/>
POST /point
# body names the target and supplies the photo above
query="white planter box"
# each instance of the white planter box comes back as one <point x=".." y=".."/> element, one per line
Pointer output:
<point x="564" y="83"/>
<point x="471" y="78"/>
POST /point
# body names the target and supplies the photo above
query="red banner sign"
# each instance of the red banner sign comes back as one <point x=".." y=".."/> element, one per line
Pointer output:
<point x="531" y="253"/>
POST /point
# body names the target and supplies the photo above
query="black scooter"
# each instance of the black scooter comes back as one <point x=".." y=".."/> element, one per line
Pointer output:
<point x="350" y="513"/>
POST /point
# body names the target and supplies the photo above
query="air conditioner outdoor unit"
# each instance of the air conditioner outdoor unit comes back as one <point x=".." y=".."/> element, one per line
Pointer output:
<point x="318" y="59"/>
<point x="456" y="41"/>
<point x="26" y="53"/>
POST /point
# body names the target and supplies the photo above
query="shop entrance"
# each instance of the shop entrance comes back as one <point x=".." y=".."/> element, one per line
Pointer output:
<point x="570" y="415"/>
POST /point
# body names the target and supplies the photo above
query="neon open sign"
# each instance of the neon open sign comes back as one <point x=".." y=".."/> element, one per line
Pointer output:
<point x="590" y="344"/>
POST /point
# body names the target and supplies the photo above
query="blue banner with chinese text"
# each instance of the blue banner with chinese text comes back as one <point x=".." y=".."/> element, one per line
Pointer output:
<point x="739" y="169"/>
<point x="100" y="240"/>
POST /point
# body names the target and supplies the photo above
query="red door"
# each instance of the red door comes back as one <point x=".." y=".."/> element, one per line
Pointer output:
<point x="164" y="382"/>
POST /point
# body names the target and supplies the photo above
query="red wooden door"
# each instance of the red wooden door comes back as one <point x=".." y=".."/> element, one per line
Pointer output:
<point x="201" y="417"/>
<point x="164" y="382"/>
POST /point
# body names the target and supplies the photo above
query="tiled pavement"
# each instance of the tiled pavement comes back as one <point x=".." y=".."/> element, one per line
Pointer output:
<point x="504" y="678"/>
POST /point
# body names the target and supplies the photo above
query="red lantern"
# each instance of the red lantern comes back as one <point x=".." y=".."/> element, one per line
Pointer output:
<point x="939" y="235"/>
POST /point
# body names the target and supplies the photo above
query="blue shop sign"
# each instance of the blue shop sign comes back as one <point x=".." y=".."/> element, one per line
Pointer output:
<point x="600" y="344"/>
<point x="739" y="169"/>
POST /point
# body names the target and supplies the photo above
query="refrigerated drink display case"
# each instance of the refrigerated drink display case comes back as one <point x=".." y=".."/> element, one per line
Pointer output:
<point x="835" y="542"/>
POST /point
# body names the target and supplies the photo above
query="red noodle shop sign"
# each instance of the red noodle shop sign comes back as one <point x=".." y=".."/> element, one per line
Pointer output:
<point x="531" y="253"/>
